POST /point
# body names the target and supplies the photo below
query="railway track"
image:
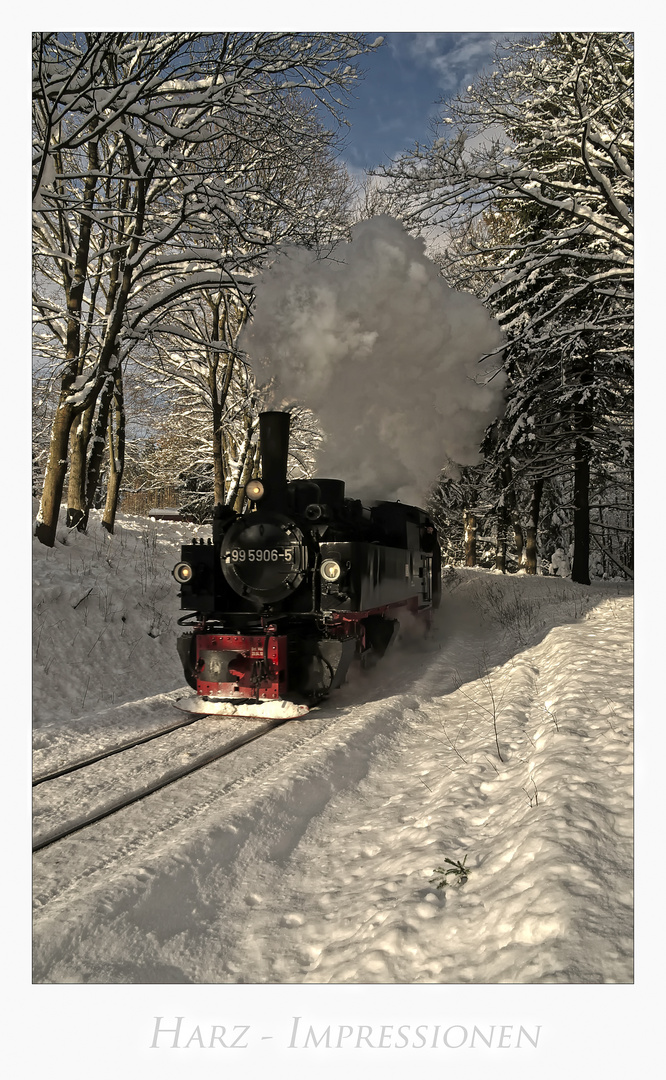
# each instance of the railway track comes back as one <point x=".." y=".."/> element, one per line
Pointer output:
<point x="129" y="745"/>
<point x="170" y="776"/>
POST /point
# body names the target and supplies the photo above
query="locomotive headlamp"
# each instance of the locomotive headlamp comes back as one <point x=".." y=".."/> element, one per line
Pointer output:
<point x="254" y="490"/>
<point x="182" y="572"/>
<point x="330" y="570"/>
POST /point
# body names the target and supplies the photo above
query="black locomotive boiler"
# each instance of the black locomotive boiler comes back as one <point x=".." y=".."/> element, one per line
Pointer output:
<point x="284" y="597"/>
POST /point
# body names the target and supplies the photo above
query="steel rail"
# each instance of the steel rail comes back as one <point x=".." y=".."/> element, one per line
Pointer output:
<point x="170" y="778"/>
<point x="82" y="762"/>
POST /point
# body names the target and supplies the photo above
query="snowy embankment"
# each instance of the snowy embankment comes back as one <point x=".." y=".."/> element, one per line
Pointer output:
<point x="104" y="617"/>
<point x="503" y="740"/>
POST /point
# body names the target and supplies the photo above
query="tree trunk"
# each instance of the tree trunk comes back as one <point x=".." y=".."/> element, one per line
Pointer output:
<point x="76" y="485"/>
<point x="249" y="470"/>
<point x="56" y="468"/>
<point x="500" y="554"/>
<point x="218" y="400"/>
<point x="109" y="359"/>
<point x="216" y="406"/>
<point x="518" y="538"/>
<point x="77" y="507"/>
<point x="116" y="455"/>
<point x="98" y="444"/>
<point x="512" y="510"/>
<point x="470" y="538"/>
<point x="584" y="431"/>
<point x="580" y="570"/>
<point x="218" y="454"/>
<point x="54" y="478"/>
<point x="236" y="493"/>
<point x="226" y="326"/>
<point x="532" y="526"/>
<point x="500" y="551"/>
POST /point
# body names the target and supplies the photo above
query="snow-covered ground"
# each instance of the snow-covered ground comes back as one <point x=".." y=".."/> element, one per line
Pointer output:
<point x="504" y="741"/>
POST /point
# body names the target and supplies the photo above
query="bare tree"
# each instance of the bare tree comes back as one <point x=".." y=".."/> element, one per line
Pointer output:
<point x="195" y="354"/>
<point x="130" y="204"/>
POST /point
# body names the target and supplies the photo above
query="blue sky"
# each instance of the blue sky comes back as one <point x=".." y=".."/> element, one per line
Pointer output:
<point x="394" y="103"/>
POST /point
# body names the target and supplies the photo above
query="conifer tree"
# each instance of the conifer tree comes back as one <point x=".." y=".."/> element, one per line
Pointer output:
<point x="533" y="168"/>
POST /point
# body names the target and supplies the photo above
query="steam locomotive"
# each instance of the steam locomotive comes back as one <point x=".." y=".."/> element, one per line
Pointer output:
<point x="286" y="596"/>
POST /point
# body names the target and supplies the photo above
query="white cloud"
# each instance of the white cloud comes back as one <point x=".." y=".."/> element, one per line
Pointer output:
<point x="454" y="58"/>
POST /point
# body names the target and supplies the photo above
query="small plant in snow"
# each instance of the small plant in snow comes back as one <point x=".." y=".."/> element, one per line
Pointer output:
<point x="494" y="708"/>
<point x="458" y="873"/>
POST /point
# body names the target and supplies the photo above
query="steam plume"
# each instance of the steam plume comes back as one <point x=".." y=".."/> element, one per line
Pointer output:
<point x="384" y="353"/>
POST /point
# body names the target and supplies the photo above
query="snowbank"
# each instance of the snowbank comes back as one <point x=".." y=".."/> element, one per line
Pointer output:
<point x="503" y="740"/>
<point x="104" y="616"/>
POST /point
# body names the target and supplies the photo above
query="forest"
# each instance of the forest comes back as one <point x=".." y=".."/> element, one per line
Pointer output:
<point x="171" y="169"/>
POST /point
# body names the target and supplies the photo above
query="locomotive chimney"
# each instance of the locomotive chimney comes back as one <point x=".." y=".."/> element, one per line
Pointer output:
<point x="274" y="437"/>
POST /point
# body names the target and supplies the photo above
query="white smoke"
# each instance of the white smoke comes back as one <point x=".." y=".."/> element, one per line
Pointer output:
<point x="384" y="353"/>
